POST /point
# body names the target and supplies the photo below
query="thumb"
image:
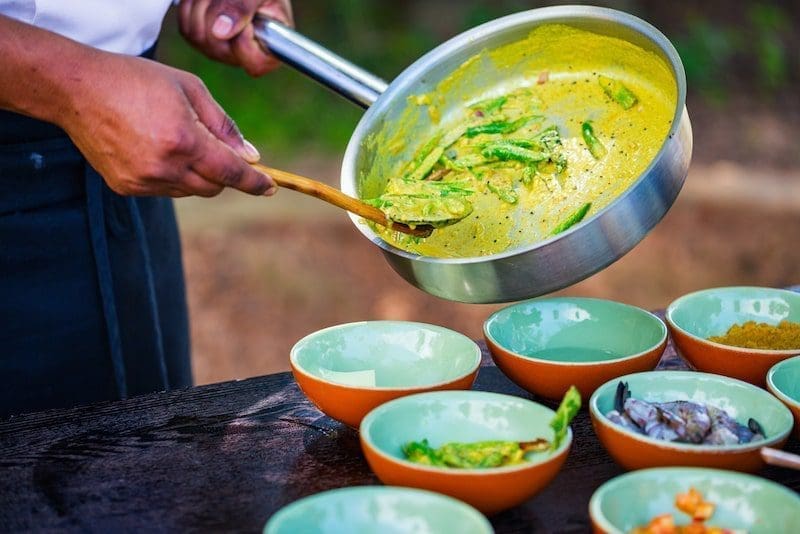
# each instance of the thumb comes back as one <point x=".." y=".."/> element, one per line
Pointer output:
<point x="227" y="18"/>
<point x="216" y="121"/>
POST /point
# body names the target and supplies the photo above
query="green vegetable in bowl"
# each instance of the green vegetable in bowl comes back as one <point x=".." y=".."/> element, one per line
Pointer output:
<point x="596" y="148"/>
<point x="566" y="412"/>
<point x="573" y="219"/>
<point x="500" y="127"/>
<point x="490" y="105"/>
<point x="617" y="92"/>
<point x="483" y="454"/>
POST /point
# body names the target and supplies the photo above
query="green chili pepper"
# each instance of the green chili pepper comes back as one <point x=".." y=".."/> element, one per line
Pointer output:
<point x="566" y="412"/>
<point x="617" y="92"/>
<point x="505" y="151"/>
<point x="548" y="138"/>
<point x="426" y="149"/>
<point x="527" y="175"/>
<point x="422" y="453"/>
<point x="595" y="146"/>
<point x="573" y="219"/>
<point x="500" y="127"/>
<point x="489" y="105"/>
<point x="427" y="164"/>
<point x="506" y="194"/>
<point x="522" y="143"/>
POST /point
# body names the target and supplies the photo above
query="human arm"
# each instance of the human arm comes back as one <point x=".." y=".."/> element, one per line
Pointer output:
<point x="148" y="129"/>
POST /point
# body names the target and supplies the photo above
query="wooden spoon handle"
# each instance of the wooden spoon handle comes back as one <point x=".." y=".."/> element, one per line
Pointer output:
<point x="334" y="196"/>
<point x="780" y="458"/>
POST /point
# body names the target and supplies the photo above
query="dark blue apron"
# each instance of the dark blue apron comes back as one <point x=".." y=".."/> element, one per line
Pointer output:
<point x="92" y="299"/>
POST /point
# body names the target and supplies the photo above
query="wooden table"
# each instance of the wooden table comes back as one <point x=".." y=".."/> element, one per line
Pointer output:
<point x="225" y="457"/>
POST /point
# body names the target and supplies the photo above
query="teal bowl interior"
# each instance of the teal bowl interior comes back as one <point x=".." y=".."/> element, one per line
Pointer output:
<point x="463" y="416"/>
<point x="712" y="312"/>
<point x="743" y="502"/>
<point x="575" y="330"/>
<point x="369" y="509"/>
<point x="740" y="399"/>
<point x="785" y="378"/>
<point x="386" y="354"/>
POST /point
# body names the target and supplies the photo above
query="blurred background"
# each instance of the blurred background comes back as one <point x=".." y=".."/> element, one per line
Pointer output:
<point x="261" y="273"/>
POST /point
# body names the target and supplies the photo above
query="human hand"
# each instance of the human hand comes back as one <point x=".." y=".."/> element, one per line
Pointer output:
<point x="149" y="129"/>
<point x="223" y="30"/>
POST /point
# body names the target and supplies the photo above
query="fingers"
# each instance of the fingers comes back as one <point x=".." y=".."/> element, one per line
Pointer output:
<point x="174" y="192"/>
<point x="194" y="184"/>
<point x="223" y="30"/>
<point x="219" y="164"/>
<point x="192" y="20"/>
<point x="216" y="121"/>
<point x="218" y="152"/>
<point x="280" y="10"/>
<point x="250" y="55"/>
<point x="225" y="19"/>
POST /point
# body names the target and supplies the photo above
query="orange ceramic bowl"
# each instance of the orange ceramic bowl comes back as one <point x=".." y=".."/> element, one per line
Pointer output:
<point x="349" y="369"/>
<point x="740" y="399"/>
<point x="547" y="345"/>
<point x="462" y="416"/>
<point x="742" y="503"/>
<point x="783" y="381"/>
<point x="695" y="317"/>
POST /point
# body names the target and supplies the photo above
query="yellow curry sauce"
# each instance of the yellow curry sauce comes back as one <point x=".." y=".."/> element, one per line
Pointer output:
<point x="572" y="78"/>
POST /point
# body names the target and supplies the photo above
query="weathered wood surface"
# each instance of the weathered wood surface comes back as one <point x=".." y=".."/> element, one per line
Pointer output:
<point x="225" y="457"/>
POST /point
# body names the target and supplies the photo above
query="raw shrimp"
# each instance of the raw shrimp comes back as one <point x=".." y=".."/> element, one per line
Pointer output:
<point x="693" y="418"/>
<point x="681" y="420"/>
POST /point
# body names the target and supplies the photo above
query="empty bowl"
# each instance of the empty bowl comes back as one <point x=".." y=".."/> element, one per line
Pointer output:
<point x="349" y="369"/>
<point x="783" y="380"/>
<point x="462" y="416"/>
<point x="546" y="345"/>
<point x="741" y="400"/>
<point x="743" y="503"/>
<point x="695" y="317"/>
<point x="377" y="509"/>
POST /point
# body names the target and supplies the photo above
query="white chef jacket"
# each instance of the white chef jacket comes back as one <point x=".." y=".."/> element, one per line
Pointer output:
<point x="123" y="26"/>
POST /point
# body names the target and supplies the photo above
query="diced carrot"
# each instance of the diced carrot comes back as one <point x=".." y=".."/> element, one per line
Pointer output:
<point x="703" y="511"/>
<point x="662" y="524"/>
<point x="689" y="501"/>
<point x="694" y="528"/>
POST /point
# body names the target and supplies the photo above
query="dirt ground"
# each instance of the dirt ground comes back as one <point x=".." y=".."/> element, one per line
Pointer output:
<point x="262" y="273"/>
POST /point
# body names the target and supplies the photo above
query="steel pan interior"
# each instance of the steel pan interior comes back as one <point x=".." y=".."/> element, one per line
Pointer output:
<point x="544" y="266"/>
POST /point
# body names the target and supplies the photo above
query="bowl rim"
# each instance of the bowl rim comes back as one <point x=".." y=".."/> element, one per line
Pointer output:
<point x="678" y="447"/>
<point x="297" y="367"/>
<point x="774" y="389"/>
<point x="370" y="489"/>
<point x="366" y="441"/>
<point x="728" y="348"/>
<point x="595" y="510"/>
<point x="491" y="339"/>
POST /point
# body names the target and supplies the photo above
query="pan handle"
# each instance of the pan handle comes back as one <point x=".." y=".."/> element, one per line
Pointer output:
<point x="319" y="63"/>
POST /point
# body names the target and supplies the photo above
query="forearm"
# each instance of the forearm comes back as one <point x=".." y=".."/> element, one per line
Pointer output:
<point x="107" y="104"/>
<point x="40" y="72"/>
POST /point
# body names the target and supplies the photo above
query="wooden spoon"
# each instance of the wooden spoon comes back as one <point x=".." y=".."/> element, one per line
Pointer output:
<point x="333" y="196"/>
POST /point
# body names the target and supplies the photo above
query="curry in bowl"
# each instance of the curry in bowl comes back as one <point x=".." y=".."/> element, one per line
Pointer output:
<point x="577" y="120"/>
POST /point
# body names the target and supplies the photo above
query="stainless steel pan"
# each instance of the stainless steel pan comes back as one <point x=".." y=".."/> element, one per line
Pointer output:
<point x="523" y="272"/>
